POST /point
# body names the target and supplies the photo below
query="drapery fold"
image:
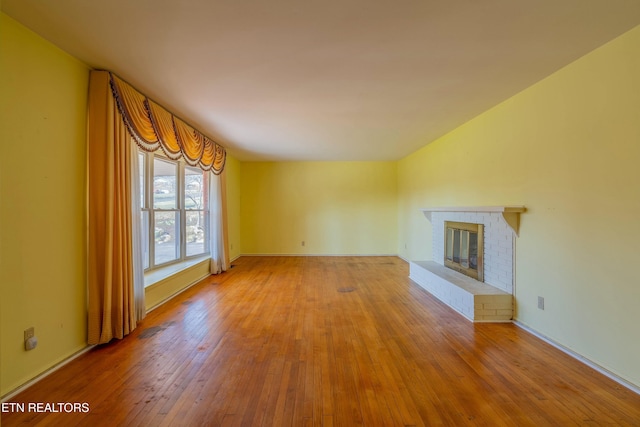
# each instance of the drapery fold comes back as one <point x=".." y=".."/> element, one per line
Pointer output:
<point x="162" y="122"/>
<point x="218" y="224"/>
<point x="111" y="297"/>
<point x="136" y="230"/>
<point x="154" y="127"/>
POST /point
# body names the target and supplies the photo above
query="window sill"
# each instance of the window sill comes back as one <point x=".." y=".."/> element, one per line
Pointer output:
<point x="162" y="273"/>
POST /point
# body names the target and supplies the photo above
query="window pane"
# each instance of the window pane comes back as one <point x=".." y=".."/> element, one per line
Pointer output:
<point x="196" y="238"/>
<point x="164" y="184"/>
<point x="194" y="188"/>
<point x="166" y="237"/>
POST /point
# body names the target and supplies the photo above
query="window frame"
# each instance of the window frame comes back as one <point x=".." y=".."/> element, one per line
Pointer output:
<point x="147" y="207"/>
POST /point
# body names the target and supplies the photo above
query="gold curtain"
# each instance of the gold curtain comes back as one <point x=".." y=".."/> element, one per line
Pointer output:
<point x="154" y="127"/>
<point x="118" y="112"/>
<point x="111" y="293"/>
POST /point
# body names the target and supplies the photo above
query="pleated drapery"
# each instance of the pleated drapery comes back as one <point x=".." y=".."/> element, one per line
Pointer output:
<point x="136" y="230"/>
<point x="154" y="127"/>
<point x="218" y="224"/>
<point x="118" y="115"/>
<point x="111" y="299"/>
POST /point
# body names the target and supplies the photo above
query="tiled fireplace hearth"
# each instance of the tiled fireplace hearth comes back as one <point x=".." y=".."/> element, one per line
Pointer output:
<point x="488" y="301"/>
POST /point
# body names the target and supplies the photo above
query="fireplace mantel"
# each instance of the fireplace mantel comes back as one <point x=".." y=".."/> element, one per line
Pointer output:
<point x="511" y="214"/>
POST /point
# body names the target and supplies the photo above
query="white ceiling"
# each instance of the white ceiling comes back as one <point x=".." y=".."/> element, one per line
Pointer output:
<point x="332" y="79"/>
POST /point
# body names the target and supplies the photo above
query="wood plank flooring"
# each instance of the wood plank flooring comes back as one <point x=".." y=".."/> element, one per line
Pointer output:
<point x="324" y="341"/>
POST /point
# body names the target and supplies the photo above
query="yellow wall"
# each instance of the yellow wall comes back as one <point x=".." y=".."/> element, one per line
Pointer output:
<point x="334" y="207"/>
<point x="569" y="149"/>
<point x="232" y="171"/>
<point x="42" y="203"/>
<point x="165" y="289"/>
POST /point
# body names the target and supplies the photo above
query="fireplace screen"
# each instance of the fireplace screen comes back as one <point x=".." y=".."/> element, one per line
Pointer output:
<point x="463" y="247"/>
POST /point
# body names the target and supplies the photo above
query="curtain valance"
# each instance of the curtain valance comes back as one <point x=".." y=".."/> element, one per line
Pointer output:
<point x="154" y="127"/>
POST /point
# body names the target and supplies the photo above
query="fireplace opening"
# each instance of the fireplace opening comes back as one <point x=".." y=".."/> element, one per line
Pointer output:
<point x="463" y="248"/>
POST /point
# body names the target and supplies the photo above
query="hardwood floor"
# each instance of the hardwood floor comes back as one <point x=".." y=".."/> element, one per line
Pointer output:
<point x="331" y="341"/>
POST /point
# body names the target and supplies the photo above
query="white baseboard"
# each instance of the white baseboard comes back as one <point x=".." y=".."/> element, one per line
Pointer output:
<point x="633" y="387"/>
<point x="46" y="373"/>
<point x="404" y="259"/>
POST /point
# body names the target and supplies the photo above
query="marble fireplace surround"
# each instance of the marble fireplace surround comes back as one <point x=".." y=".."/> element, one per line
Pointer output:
<point x="488" y="301"/>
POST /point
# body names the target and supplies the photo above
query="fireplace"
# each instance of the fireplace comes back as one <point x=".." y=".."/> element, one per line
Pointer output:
<point x="464" y="247"/>
<point x="499" y="227"/>
<point x="478" y="241"/>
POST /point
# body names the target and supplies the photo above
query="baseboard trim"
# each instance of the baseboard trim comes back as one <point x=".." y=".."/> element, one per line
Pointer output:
<point x="604" y="371"/>
<point x="46" y="373"/>
<point x="404" y="259"/>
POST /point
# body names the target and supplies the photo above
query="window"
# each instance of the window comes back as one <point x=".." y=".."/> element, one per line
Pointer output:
<point x="175" y="210"/>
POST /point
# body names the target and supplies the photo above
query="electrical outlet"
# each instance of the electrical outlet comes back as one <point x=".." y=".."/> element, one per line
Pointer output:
<point x="541" y="303"/>
<point x="30" y="340"/>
